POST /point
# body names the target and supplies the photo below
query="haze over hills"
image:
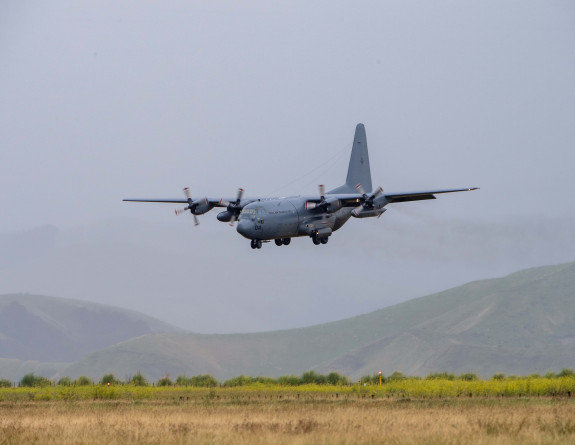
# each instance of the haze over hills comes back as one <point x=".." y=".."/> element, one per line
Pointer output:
<point x="522" y="323"/>
<point x="206" y="279"/>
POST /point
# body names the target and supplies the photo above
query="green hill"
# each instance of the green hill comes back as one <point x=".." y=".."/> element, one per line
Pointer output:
<point x="48" y="329"/>
<point x="522" y="323"/>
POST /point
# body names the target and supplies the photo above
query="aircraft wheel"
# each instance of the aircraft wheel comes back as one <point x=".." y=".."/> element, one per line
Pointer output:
<point x="324" y="239"/>
<point x="279" y="242"/>
<point x="259" y="244"/>
<point x="316" y="240"/>
<point x="286" y="241"/>
<point x="253" y="244"/>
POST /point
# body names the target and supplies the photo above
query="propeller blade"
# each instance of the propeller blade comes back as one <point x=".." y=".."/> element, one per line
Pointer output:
<point x="224" y="202"/>
<point x="187" y="193"/>
<point x="322" y="190"/>
<point x="240" y="194"/>
<point x="311" y="205"/>
<point x="378" y="192"/>
<point x="196" y="222"/>
<point x="180" y="211"/>
<point x="233" y="220"/>
<point x="360" y="189"/>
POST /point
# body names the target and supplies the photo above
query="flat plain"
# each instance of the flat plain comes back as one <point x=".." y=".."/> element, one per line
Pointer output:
<point x="220" y="415"/>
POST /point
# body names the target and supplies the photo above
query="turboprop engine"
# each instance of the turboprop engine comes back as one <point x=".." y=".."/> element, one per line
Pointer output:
<point x="372" y="205"/>
<point x="202" y="206"/>
<point x="197" y="207"/>
<point x="329" y="205"/>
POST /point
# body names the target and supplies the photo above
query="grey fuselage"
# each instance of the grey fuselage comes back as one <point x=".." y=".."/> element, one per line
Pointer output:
<point x="275" y="218"/>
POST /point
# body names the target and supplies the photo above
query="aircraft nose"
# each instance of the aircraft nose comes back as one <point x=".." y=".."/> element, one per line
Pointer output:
<point x="245" y="228"/>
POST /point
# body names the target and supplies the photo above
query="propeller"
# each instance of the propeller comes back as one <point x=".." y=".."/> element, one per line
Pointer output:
<point x="329" y="205"/>
<point x="310" y="205"/>
<point x="234" y="207"/>
<point x="191" y="206"/>
<point x="368" y="200"/>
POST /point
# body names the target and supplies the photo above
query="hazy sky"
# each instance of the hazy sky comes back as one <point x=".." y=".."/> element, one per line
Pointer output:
<point x="106" y="100"/>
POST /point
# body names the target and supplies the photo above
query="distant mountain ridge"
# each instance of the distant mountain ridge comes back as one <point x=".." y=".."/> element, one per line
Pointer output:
<point x="50" y="329"/>
<point x="518" y="324"/>
<point x="521" y="323"/>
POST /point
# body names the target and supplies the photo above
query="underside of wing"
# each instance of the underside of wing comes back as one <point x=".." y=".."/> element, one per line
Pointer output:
<point x="421" y="195"/>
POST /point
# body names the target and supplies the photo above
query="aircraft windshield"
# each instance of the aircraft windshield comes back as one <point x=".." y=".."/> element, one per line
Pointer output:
<point x="248" y="214"/>
<point x="251" y="213"/>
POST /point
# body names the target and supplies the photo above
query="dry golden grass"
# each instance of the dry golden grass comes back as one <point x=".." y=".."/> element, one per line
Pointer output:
<point x="265" y="419"/>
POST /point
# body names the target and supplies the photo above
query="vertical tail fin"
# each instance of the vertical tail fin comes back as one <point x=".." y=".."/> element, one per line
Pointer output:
<point x="358" y="171"/>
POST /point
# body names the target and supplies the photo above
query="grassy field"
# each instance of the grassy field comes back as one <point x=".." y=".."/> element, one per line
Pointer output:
<point x="262" y="414"/>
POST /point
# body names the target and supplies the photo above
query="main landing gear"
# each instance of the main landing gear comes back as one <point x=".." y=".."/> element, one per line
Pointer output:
<point x="282" y="241"/>
<point x="256" y="244"/>
<point x="317" y="240"/>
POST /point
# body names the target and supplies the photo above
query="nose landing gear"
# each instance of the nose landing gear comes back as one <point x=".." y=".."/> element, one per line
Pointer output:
<point x="256" y="244"/>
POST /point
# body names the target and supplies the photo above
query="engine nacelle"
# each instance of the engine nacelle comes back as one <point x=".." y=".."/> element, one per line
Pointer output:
<point x="202" y="206"/>
<point x="225" y="216"/>
<point x="333" y="205"/>
<point x="360" y="212"/>
<point x="329" y="205"/>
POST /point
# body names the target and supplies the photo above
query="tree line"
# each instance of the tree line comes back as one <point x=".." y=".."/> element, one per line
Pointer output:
<point x="307" y="378"/>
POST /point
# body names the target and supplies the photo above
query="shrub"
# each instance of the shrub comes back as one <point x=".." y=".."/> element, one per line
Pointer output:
<point x="182" y="380"/>
<point x="139" y="380"/>
<point x="288" y="380"/>
<point x="32" y="380"/>
<point x="334" y="378"/>
<point x="368" y="379"/>
<point x="469" y="377"/>
<point x="109" y="378"/>
<point x="498" y="376"/>
<point x="565" y="372"/>
<point x="165" y="381"/>
<point x="83" y="381"/>
<point x="440" y="376"/>
<point x="308" y="377"/>
<point x="240" y="380"/>
<point x="4" y="383"/>
<point x="204" y="381"/>
<point x="320" y="379"/>
<point x="396" y="376"/>
<point x="64" y="381"/>
<point x="266" y="380"/>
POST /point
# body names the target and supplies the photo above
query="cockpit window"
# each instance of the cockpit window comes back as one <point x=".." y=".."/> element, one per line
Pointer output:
<point x="249" y="213"/>
<point x="252" y="213"/>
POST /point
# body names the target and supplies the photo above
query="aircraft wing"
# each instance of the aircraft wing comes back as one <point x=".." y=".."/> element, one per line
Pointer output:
<point x="354" y="199"/>
<point x="421" y="195"/>
<point x="174" y="201"/>
<point x="214" y="202"/>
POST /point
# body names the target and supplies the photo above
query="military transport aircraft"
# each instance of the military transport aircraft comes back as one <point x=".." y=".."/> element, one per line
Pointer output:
<point x="281" y="219"/>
